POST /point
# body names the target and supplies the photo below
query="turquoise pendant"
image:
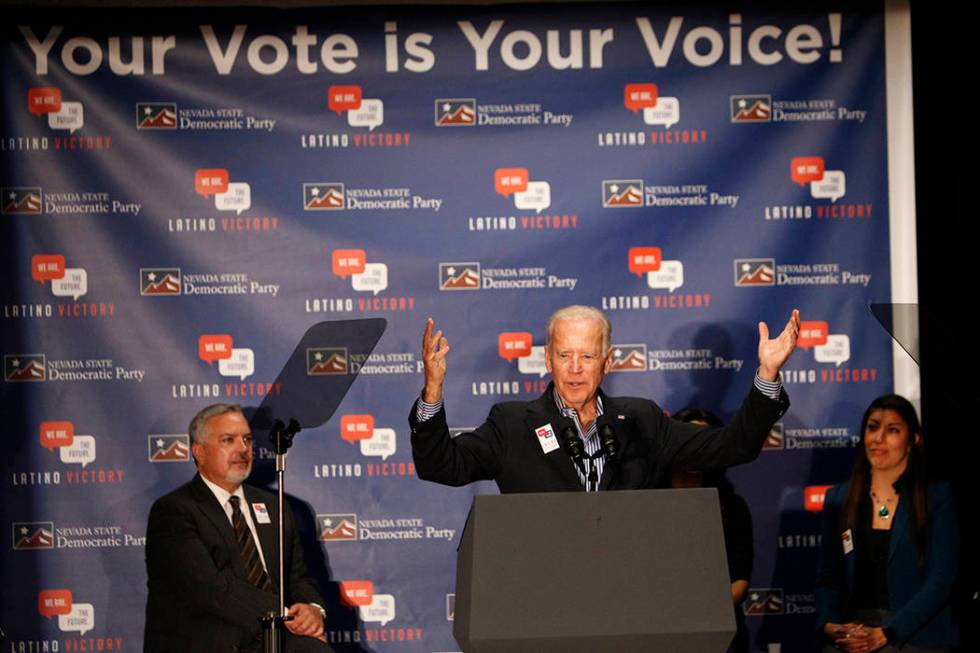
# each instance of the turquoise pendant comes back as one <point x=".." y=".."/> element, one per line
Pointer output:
<point x="883" y="511"/>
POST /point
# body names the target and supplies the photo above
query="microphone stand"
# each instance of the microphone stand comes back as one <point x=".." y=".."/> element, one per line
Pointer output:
<point x="593" y="477"/>
<point x="273" y="623"/>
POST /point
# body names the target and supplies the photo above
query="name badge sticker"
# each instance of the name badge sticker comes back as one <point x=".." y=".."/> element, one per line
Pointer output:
<point x="546" y="438"/>
<point x="847" y="540"/>
<point x="261" y="514"/>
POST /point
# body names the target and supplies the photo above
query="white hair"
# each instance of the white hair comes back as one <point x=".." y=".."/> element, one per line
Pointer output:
<point x="577" y="312"/>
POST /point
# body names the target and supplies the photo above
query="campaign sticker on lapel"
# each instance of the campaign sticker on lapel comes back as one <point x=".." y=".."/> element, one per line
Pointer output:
<point x="847" y="541"/>
<point x="261" y="514"/>
<point x="546" y="437"/>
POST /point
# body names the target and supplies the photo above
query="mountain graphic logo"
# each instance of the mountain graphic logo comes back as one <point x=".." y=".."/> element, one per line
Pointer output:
<point x="455" y="113"/>
<point x="326" y="360"/>
<point x="459" y="276"/>
<point x="24" y="367"/>
<point x="156" y="115"/>
<point x="323" y="196"/>
<point x="159" y="281"/>
<point x="337" y="528"/>
<point x="751" y="108"/>
<point x="755" y="272"/>
<point x="174" y="448"/>
<point x="22" y="199"/>
<point x="763" y="601"/>
<point x="622" y="193"/>
<point x="629" y="358"/>
<point x="33" y="535"/>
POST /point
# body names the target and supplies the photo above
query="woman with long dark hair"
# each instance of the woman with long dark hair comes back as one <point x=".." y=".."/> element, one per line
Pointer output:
<point x="890" y="544"/>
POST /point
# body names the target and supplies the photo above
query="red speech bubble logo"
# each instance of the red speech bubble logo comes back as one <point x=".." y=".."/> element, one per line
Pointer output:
<point x="214" y="347"/>
<point x="639" y="96"/>
<point x="43" y="99"/>
<point x="510" y="180"/>
<point x="348" y="261"/>
<point x="53" y="602"/>
<point x="342" y="98"/>
<point x="45" y="267"/>
<point x="644" y="259"/>
<point x="511" y="345"/>
<point x="356" y="427"/>
<point x="812" y="333"/>
<point x="804" y="169"/>
<point x="210" y="181"/>
<point x="56" y="434"/>
<point x="813" y="497"/>
<point x="356" y="592"/>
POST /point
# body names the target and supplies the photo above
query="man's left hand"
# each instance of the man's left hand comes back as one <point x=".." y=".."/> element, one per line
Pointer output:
<point x="774" y="352"/>
<point x="306" y="620"/>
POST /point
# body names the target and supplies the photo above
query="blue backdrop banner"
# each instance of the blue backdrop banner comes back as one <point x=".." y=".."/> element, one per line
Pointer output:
<point x="186" y="192"/>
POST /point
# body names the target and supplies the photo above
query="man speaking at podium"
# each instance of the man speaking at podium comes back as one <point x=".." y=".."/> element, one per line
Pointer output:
<point x="575" y="437"/>
<point x="212" y="551"/>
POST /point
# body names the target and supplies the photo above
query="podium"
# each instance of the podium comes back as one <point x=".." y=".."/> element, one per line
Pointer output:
<point x="639" y="570"/>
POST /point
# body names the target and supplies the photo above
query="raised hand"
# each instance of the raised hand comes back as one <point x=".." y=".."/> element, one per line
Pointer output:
<point x="774" y="352"/>
<point x="434" y="350"/>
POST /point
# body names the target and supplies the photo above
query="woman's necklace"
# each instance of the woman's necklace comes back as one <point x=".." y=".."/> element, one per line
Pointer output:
<point x="883" y="511"/>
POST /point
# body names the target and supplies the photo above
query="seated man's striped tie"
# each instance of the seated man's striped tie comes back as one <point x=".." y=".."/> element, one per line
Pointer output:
<point x="246" y="546"/>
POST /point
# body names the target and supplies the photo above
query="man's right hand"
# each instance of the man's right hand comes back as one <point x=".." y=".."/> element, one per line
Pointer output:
<point x="434" y="350"/>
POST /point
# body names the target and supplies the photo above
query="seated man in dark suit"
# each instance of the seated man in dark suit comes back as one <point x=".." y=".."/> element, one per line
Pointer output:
<point x="624" y="443"/>
<point x="210" y="546"/>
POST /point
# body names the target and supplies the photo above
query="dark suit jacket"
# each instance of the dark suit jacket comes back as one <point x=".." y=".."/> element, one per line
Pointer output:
<point x="920" y="600"/>
<point x="506" y="449"/>
<point x="199" y="597"/>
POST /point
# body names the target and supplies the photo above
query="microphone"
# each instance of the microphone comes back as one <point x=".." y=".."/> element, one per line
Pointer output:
<point x="607" y="438"/>
<point x="572" y="444"/>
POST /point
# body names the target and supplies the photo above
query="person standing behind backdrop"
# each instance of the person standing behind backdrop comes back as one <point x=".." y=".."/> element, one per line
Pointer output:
<point x="736" y="523"/>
